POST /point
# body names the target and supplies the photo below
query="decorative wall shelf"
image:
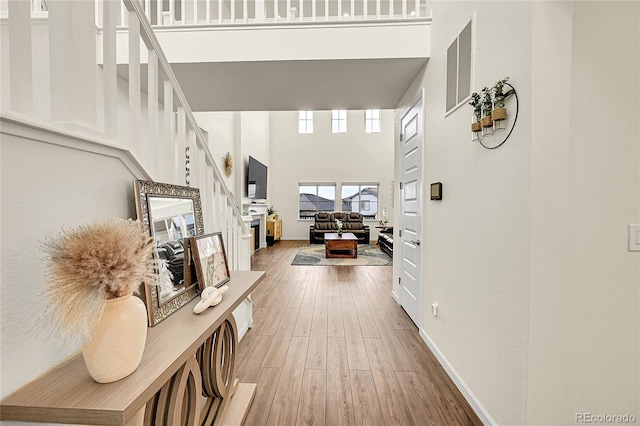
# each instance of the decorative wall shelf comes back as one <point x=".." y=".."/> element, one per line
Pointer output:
<point x="186" y="356"/>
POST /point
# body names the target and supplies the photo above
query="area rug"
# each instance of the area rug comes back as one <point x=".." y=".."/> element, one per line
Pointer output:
<point x="368" y="255"/>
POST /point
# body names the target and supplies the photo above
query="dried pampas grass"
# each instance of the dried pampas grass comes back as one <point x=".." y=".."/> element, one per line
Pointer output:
<point x="91" y="264"/>
<point x="227" y="164"/>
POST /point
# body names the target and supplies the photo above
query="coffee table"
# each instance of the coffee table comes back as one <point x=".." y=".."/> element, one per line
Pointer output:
<point x="340" y="246"/>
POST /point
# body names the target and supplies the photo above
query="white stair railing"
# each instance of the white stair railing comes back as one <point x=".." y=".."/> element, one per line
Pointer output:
<point x="216" y="12"/>
<point x="192" y="145"/>
<point x="158" y="128"/>
<point x="39" y="6"/>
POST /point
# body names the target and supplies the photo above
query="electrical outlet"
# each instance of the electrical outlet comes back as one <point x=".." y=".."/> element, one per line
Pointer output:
<point x="434" y="309"/>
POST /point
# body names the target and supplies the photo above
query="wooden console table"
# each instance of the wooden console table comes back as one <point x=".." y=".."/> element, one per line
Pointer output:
<point x="188" y="358"/>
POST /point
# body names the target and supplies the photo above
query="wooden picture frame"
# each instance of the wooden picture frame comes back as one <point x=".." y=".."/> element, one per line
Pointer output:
<point x="210" y="260"/>
<point x="436" y="191"/>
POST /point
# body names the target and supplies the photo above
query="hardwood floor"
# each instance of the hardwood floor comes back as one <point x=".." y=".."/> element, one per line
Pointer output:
<point x="330" y="346"/>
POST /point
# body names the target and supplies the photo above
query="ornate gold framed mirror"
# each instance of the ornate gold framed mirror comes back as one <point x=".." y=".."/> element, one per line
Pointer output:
<point x="169" y="213"/>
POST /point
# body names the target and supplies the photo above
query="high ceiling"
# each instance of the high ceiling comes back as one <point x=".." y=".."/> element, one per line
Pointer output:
<point x="293" y="85"/>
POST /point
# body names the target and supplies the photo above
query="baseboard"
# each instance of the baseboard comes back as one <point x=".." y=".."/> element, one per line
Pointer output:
<point x="243" y="330"/>
<point x="243" y="316"/>
<point x="475" y="404"/>
<point x="395" y="297"/>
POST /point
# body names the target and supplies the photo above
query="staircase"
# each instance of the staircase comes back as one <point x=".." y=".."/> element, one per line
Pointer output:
<point x="77" y="125"/>
<point x="71" y="86"/>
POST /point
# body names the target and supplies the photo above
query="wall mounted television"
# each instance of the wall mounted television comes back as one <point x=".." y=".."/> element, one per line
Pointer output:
<point x="256" y="179"/>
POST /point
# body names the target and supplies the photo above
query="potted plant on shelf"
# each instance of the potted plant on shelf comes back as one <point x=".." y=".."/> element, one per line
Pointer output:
<point x="477" y="112"/>
<point x="499" y="111"/>
<point x="93" y="271"/>
<point x="271" y="213"/>
<point x="487" y="108"/>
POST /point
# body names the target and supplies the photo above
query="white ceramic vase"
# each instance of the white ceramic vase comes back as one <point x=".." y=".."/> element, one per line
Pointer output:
<point x="116" y="348"/>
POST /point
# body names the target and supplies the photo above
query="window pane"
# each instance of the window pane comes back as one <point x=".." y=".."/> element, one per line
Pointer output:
<point x="339" y="121"/>
<point x="452" y="74"/>
<point x="372" y="114"/>
<point x="350" y="198"/>
<point x="315" y="198"/>
<point x="372" y="121"/>
<point x="326" y="198"/>
<point x="307" y="201"/>
<point x="369" y="198"/>
<point x="464" y="63"/>
<point x="305" y="121"/>
<point x="361" y="199"/>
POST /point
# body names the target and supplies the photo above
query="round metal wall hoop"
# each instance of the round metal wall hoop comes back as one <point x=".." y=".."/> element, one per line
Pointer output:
<point x="513" y="125"/>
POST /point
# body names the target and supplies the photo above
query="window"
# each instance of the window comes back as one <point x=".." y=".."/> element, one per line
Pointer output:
<point x="305" y="121"/>
<point x="361" y="198"/>
<point x="459" y="69"/>
<point x="339" y="121"/>
<point x="372" y="121"/>
<point x="314" y="198"/>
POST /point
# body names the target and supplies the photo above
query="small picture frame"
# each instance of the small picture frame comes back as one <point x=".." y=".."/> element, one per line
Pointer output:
<point x="436" y="191"/>
<point x="210" y="260"/>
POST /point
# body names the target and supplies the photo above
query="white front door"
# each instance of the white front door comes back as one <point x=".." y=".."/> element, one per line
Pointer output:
<point x="410" y="209"/>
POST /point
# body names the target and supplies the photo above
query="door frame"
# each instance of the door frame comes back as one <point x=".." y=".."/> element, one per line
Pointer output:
<point x="419" y="97"/>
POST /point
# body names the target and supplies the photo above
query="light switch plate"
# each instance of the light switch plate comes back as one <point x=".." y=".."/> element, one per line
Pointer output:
<point x="634" y="237"/>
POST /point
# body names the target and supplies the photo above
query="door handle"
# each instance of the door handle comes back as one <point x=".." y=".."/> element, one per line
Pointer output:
<point x="415" y="242"/>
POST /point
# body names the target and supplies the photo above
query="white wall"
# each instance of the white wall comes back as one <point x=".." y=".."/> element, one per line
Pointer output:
<point x="271" y="43"/>
<point x="5" y="82"/>
<point x="476" y="240"/>
<point x="326" y="157"/>
<point x="255" y="141"/>
<point x="584" y="323"/>
<point x="220" y="127"/>
<point x="48" y="182"/>
<point x="526" y="255"/>
<point x="243" y="134"/>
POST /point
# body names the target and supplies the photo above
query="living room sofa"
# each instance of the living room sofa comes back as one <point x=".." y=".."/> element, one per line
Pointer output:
<point x="385" y="240"/>
<point x="326" y="223"/>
